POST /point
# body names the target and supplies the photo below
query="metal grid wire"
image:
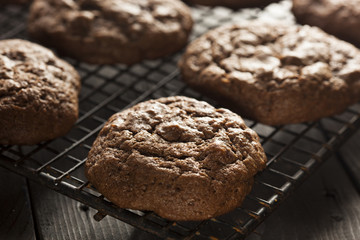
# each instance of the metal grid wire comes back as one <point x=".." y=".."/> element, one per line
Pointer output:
<point x="294" y="151"/>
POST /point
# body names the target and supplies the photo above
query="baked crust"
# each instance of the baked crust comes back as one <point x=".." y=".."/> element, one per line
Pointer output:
<point x="274" y="73"/>
<point x="111" y="31"/>
<point x="176" y="156"/>
<point x="38" y="93"/>
<point x="339" y="18"/>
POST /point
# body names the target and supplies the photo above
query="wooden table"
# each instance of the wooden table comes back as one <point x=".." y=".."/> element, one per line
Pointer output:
<point x="325" y="207"/>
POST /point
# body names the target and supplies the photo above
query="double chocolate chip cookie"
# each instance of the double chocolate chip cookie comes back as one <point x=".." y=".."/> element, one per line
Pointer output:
<point x="38" y="93"/>
<point x="340" y="18"/>
<point x="275" y="73"/>
<point x="111" y="31"/>
<point x="176" y="156"/>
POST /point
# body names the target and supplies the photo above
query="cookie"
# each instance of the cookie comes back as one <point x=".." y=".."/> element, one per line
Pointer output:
<point x="38" y="93"/>
<point x="176" y="156"/>
<point x="111" y="31"/>
<point x="340" y="18"/>
<point x="233" y="3"/>
<point x="274" y="73"/>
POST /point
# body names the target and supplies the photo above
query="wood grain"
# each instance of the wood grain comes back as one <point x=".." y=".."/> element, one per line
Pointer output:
<point x="60" y="217"/>
<point x="325" y="207"/>
<point x="350" y="158"/>
<point x="15" y="209"/>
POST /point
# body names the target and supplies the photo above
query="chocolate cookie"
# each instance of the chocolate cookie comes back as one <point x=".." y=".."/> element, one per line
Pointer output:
<point x="275" y="73"/>
<point x="176" y="156"/>
<point x="340" y="18"/>
<point x="111" y="31"/>
<point x="233" y="3"/>
<point x="38" y="93"/>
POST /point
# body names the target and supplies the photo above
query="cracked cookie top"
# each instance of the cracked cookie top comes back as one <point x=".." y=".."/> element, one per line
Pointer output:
<point x="36" y="89"/>
<point x="31" y="74"/>
<point x="335" y="17"/>
<point x="104" y="27"/>
<point x="245" y="61"/>
<point x="174" y="138"/>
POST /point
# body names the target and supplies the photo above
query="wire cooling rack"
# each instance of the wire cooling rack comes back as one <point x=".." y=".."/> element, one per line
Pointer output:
<point x="294" y="151"/>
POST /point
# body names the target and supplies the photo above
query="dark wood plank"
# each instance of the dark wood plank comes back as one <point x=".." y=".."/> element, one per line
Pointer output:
<point x="325" y="207"/>
<point x="350" y="157"/>
<point x="60" y="217"/>
<point x="15" y="208"/>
